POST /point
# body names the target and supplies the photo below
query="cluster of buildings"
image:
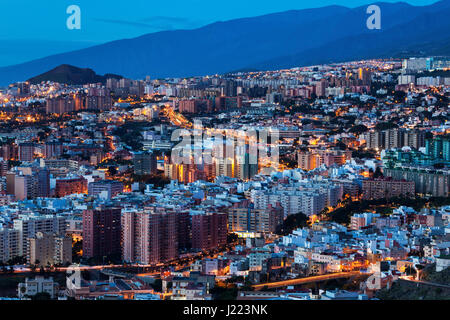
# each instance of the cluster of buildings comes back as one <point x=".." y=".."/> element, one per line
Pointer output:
<point x="96" y="163"/>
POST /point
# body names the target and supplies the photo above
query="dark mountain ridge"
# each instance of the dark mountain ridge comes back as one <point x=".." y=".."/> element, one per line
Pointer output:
<point x="72" y="75"/>
<point x="285" y="39"/>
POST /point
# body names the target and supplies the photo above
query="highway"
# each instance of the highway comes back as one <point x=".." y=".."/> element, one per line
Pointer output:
<point x="293" y="282"/>
<point x="426" y="283"/>
<point x="176" y="118"/>
<point x="178" y="264"/>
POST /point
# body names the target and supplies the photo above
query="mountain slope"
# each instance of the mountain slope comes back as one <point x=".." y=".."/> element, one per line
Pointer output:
<point x="71" y="75"/>
<point x="292" y="38"/>
<point x="425" y="34"/>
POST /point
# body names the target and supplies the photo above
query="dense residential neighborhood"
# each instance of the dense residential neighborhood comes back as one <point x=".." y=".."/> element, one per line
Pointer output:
<point x="327" y="182"/>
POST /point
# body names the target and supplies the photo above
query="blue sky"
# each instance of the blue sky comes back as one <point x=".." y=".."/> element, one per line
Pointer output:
<point x="31" y="29"/>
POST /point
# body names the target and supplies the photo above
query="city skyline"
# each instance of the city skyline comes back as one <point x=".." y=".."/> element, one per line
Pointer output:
<point x="298" y="155"/>
<point x="169" y="180"/>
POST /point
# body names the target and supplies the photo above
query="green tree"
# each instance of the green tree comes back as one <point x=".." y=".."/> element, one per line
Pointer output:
<point x="41" y="296"/>
<point x="292" y="222"/>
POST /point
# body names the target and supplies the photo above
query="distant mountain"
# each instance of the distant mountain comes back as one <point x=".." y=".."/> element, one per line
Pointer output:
<point x="286" y="39"/>
<point x="72" y="75"/>
<point x="427" y="33"/>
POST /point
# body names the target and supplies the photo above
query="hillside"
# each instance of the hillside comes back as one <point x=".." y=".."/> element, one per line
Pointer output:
<point x="408" y="290"/>
<point x="71" y="75"/>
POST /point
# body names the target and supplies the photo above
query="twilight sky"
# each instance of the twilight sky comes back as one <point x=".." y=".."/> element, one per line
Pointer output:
<point x="31" y="29"/>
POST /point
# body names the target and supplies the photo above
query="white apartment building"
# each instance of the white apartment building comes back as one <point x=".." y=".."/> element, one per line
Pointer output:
<point x="9" y="244"/>
<point x="29" y="225"/>
<point x="37" y="285"/>
<point x="256" y="259"/>
<point x="49" y="249"/>
<point x="308" y="198"/>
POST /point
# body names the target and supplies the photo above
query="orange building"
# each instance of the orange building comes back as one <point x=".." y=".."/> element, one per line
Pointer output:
<point x="67" y="186"/>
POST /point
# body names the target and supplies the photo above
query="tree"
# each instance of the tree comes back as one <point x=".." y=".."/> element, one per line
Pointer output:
<point x="157" y="285"/>
<point x="292" y="222"/>
<point x="378" y="173"/>
<point x="341" y="145"/>
<point x="158" y="180"/>
<point x="112" y="171"/>
<point x="385" y="126"/>
<point x="363" y="154"/>
<point x="14" y="163"/>
<point x="358" y="129"/>
<point x="41" y="296"/>
<point x="220" y="293"/>
<point x="232" y="237"/>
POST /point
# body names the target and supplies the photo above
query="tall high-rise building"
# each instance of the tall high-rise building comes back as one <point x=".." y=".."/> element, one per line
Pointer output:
<point x="70" y="185"/>
<point x="364" y="75"/>
<point x="64" y="104"/>
<point x="307" y="160"/>
<point x="415" y="64"/>
<point x="438" y="147"/>
<point x="320" y="88"/>
<point x="255" y="220"/>
<point x="101" y="232"/>
<point x="144" y="163"/>
<point x="96" y="98"/>
<point x="28" y="184"/>
<point x="53" y="149"/>
<point x="24" y="88"/>
<point x="230" y="88"/>
<point x="195" y="105"/>
<point x="246" y="162"/>
<point x="43" y="181"/>
<point x="227" y="103"/>
<point x="111" y="188"/>
<point x="49" y="249"/>
<point x="184" y="230"/>
<point x="209" y="230"/>
<point x="26" y="151"/>
<point x="427" y="181"/>
<point x="387" y="188"/>
<point x="24" y="187"/>
<point x="394" y="138"/>
<point x="9" y="151"/>
<point x="149" y="237"/>
<point x="9" y="244"/>
<point x="28" y="226"/>
<point x="414" y="139"/>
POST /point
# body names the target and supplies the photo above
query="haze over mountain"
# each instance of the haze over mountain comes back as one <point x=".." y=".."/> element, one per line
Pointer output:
<point x="286" y="39"/>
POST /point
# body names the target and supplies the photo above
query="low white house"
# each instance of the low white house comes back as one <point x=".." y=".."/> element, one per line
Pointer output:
<point x="37" y="285"/>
